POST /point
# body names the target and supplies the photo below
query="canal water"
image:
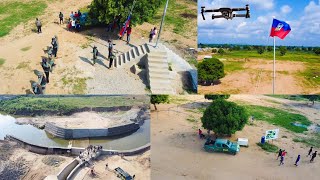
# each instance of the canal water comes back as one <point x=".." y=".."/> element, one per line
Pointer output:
<point x="33" y="135"/>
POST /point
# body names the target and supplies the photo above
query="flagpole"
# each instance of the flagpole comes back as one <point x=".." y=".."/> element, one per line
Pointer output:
<point x="274" y="65"/>
<point x="164" y="14"/>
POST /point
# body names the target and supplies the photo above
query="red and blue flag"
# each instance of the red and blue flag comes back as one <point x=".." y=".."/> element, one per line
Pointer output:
<point x="125" y="26"/>
<point x="280" y="29"/>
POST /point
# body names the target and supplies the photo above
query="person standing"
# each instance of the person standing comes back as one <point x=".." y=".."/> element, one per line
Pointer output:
<point x="154" y="33"/>
<point x="313" y="156"/>
<point x="95" y="54"/>
<point x="284" y="152"/>
<point x="281" y="160"/>
<point x="46" y="68"/>
<point x="129" y="29"/>
<point x="61" y="17"/>
<point x="150" y="35"/>
<point x="38" y="24"/>
<point x="310" y="152"/>
<point x="55" y="45"/>
<point x="111" y="57"/>
<point x="279" y="153"/>
<point x="297" y="160"/>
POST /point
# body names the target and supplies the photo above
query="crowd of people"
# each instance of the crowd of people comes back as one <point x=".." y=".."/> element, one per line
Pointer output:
<point x="282" y="153"/>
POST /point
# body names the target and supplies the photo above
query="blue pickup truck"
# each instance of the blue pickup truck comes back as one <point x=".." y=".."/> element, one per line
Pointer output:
<point x="221" y="145"/>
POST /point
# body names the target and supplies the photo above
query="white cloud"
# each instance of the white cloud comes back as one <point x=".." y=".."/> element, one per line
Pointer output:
<point x="286" y="9"/>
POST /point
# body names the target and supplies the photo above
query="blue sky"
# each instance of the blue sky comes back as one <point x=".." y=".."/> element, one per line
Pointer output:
<point x="302" y="15"/>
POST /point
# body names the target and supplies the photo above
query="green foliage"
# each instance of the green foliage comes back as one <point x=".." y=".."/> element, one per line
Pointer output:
<point x="224" y="117"/>
<point x="269" y="147"/>
<point x="16" y="12"/>
<point x="260" y="50"/>
<point x="157" y="99"/>
<point x="312" y="98"/>
<point x="279" y="117"/>
<point x="313" y="141"/>
<point x="283" y="50"/>
<point x="221" y="51"/>
<point x="317" y="50"/>
<point x="2" y="61"/>
<point x="269" y="48"/>
<point x="214" y="51"/>
<point x="104" y="11"/>
<point x="216" y="96"/>
<point x="210" y="70"/>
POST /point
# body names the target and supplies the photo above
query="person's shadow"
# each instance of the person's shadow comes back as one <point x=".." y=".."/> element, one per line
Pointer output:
<point x="86" y="60"/>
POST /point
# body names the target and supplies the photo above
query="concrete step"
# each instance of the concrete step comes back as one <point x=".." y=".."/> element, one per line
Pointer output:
<point x="143" y="50"/>
<point x="137" y="51"/>
<point x="159" y="76"/>
<point x="131" y="54"/>
<point x="162" y="91"/>
<point x="146" y="46"/>
<point x="158" y="66"/>
<point x="159" y="53"/>
<point x="158" y="70"/>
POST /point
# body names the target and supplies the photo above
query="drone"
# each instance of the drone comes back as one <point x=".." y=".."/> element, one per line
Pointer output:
<point x="226" y="13"/>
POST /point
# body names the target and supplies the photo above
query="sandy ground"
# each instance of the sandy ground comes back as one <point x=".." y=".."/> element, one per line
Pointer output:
<point x="34" y="164"/>
<point x="74" y="73"/>
<point x="171" y="132"/>
<point x="256" y="78"/>
<point x="80" y="120"/>
<point x="138" y="165"/>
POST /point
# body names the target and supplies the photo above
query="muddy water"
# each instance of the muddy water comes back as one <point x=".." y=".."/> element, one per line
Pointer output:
<point x="33" y="135"/>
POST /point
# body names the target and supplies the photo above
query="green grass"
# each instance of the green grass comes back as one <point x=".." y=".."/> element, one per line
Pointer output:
<point x="16" y="12"/>
<point x="67" y="103"/>
<point x="310" y="141"/>
<point x="290" y="97"/>
<point x="26" y="48"/>
<point x="2" y="61"/>
<point x="231" y="66"/>
<point x="278" y="117"/>
<point x="298" y="56"/>
<point x="312" y="74"/>
<point x="268" y="147"/>
<point x="178" y="16"/>
<point x="79" y="85"/>
<point x="23" y="65"/>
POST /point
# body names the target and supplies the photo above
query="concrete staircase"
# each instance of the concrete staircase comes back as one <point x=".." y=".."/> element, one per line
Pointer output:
<point x="158" y="73"/>
<point x="54" y="130"/>
<point x="135" y="53"/>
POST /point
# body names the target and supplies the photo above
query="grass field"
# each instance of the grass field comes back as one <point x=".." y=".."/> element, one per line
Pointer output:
<point x="178" y="16"/>
<point x="279" y="117"/>
<point x="268" y="147"/>
<point x="231" y="66"/>
<point x="299" y="56"/>
<point x="15" y="12"/>
<point x="310" y="140"/>
<point x="67" y="103"/>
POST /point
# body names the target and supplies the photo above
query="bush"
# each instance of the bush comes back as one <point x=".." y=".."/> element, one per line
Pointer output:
<point x="269" y="48"/>
<point x="215" y="96"/>
<point x="221" y="51"/>
<point x="260" y="50"/>
<point x="268" y="147"/>
<point x="210" y="70"/>
<point x="105" y="11"/>
<point x="214" y="51"/>
<point x="283" y="50"/>
<point x="316" y="50"/>
<point x="224" y="117"/>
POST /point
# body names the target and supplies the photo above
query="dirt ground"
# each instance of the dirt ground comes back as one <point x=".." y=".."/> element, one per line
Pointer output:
<point x="80" y="120"/>
<point x="30" y="165"/>
<point x="138" y="165"/>
<point x="174" y="130"/>
<point x="73" y="73"/>
<point x="256" y="78"/>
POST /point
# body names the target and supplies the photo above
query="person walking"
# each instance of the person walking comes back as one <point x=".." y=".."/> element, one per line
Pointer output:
<point x="61" y="18"/>
<point x="111" y="57"/>
<point x="46" y="68"/>
<point x="129" y="29"/>
<point x="95" y="54"/>
<point x="279" y="153"/>
<point x="154" y="33"/>
<point x="310" y="152"/>
<point x="314" y="155"/>
<point x="281" y="160"/>
<point x="297" y="160"/>
<point x="54" y="43"/>
<point x="284" y="152"/>
<point x="150" y="35"/>
<point x="38" y="24"/>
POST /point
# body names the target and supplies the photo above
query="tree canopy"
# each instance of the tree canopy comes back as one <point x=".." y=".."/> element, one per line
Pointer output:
<point x="210" y="70"/>
<point x="224" y="117"/>
<point x="157" y="99"/>
<point x="104" y="11"/>
<point x="216" y="96"/>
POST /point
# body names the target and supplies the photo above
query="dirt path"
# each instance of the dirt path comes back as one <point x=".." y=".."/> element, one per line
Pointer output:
<point x="256" y="78"/>
<point x="187" y="159"/>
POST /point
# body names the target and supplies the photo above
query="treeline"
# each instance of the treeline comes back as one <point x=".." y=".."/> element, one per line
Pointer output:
<point x="220" y="48"/>
<point x="104" y="11"/>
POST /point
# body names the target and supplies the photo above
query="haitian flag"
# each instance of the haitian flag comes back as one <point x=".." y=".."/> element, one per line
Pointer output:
<point x="280" y="29"/>
<point x="125" y="26"/>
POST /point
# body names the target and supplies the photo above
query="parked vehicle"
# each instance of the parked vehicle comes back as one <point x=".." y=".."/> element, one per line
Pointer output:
<point x="221" y="145"/>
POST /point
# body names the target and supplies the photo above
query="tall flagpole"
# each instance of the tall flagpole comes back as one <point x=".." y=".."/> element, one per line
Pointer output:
<point x="274" y="65"/>
<point x="164" y="14"/>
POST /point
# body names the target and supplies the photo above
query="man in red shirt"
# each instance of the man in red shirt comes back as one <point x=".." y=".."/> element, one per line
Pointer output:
<point x="284" y="152"/>
<point x="129" y="29"/>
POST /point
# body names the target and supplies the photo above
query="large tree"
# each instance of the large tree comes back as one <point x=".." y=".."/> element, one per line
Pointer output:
<point x="312" y="98"/>
<point x="210" y="70"/>
<point x="157" y="99"/>
<point x="224" y="118"/>
<point x="104" y="11"/>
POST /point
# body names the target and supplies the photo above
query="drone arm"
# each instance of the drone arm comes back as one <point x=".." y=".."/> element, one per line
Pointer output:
<point x="217" y="16"/>
<point x="238" y="9"/>
<point x="242" y="15"/>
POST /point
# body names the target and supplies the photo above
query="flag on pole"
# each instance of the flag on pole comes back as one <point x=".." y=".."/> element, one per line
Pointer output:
<point x="125" y="26"/>
<point x="280" y="29"/>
